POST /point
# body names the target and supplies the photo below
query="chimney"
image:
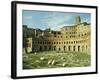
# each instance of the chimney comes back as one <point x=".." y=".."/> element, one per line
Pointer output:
<point x="77" y="20"/>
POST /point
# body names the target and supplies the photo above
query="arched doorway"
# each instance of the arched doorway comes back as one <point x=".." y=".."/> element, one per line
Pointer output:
<point x="78" y="48"/>
<point x="40" y="48"/>
<point x="69" y="48"/>
<point x="82" y="48"/>
<point x="73" y="48"/>
<point x="64" y="48"/>
<point x="45" y="48"/>
<point x="54" y="47"/>
<point x="49" y="47"/>
<point x="59" y="49"/>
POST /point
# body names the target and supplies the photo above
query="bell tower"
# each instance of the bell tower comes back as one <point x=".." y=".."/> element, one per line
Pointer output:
<point x="77" y="20"/>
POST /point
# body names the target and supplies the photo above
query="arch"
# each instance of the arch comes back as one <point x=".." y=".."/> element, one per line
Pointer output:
<point x="74" y="48"/>
<point x="54" y="47"/>
<point x="82" y="48"/>
<point x="78" y="48"/>
<point x="64" y="48"/>
<point x="69" y="48"/>
<point x="86" y="48"/>
<point x="59" y="49"/>
<point x="49" y="47"/>
<point x="40" y="48"/>
<point x="45" y="47"/>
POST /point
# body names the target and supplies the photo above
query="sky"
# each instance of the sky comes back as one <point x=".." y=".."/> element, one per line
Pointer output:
<point x="51" y="19"/>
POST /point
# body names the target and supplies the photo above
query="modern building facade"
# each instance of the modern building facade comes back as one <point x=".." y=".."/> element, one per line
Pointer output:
<point x="74" y="38"/>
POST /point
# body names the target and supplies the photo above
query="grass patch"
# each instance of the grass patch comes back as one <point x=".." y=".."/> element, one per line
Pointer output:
<point x="52" y="59"/>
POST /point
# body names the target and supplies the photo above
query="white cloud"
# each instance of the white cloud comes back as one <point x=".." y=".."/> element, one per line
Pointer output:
<point x="60" y="26"/>
<point x="28" y="17"/>
<point x="57" y="21"/>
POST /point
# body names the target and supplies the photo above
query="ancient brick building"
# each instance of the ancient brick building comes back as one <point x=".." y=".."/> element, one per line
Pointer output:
<point x="74" y="38"/>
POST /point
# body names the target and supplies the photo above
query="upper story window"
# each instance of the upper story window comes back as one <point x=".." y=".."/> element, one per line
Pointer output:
<point x="69" y="32"/>
<point x="58" y="32"/>
<point x="74" y="32"/>
<point x="54" y="36"/>
<point x="71" y="42"/>
<point x="85" y="34"/>
<point x="81" y="34"/>
<point x="43" y="42"/>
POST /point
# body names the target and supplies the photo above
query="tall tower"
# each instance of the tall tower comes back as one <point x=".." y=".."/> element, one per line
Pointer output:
<point x="35" y="33"/>
<point x="49" y="29"/>
<point x="77" y="20"/>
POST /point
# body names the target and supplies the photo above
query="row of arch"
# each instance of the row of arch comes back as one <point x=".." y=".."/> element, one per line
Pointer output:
<point x="59" y="42"/>
<point x="62" y="48"/>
